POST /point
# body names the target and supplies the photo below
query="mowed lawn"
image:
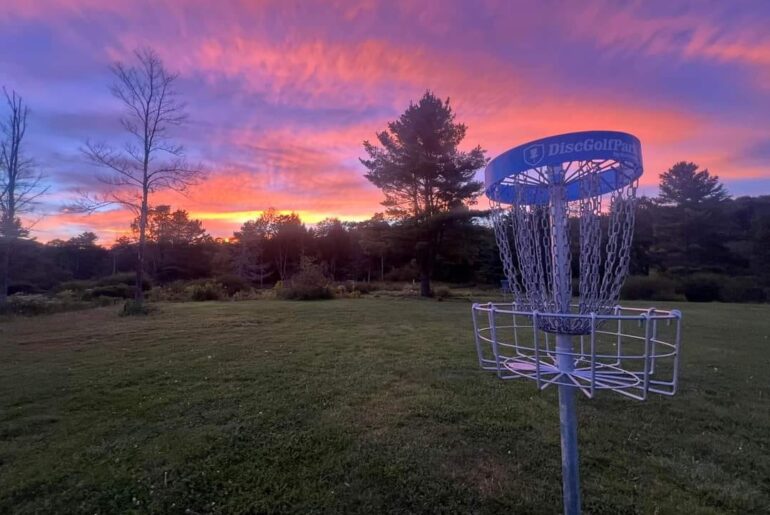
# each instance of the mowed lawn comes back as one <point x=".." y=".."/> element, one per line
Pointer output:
<point x="359" y="406"/>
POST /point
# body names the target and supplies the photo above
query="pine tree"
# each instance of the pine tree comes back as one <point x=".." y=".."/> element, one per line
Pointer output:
<point x="423" y="174"/>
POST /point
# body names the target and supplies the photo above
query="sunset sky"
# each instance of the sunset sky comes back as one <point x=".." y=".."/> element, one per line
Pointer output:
<point x="282" y="94"/>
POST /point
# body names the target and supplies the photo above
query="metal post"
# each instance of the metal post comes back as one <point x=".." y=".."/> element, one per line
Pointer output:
<point x="562" y="289"/>
<point x="568" y="425"/>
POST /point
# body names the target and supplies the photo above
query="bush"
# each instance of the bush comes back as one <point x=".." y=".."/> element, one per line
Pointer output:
<point x="78" y="286"/>
<point x="308" y="284"/>
<point x="233" y="283"/>
<point x="133" y="308"/>
<point x="250" y="294"/>
<point x="407" y="272"/>
<point x="177" y="291"/>
<point x="702" y="288"/>
<point x="125" y="278"/>
<point x="69" y="296"/>
<point x="741" y="289"/>
<point x="31" y="305"/>
<point x="442" y="292"/>
<point x="207" y="291"/>
<point x="24" y="287"/>
<point x="386" y="286"/>
<point x="121" y="279"/>
<point x="641" y="287"/>
<point x="364" y="287"/>
<point x="120" y="291"/>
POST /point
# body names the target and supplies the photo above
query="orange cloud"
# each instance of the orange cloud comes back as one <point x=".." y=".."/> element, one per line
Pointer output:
<point x="314" y="58"/>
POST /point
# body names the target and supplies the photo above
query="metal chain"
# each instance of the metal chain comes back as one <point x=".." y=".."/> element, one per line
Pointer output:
<point x="523" y="234"/>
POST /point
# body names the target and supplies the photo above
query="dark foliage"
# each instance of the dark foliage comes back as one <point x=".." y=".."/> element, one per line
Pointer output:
<point x="308" y="284"/>
<point x="207" y="291"/>
<point x="701" y="288"/>
<point x="134" y="308"/>
<point x="715" y="250"/>
<point x="649" y="288"/>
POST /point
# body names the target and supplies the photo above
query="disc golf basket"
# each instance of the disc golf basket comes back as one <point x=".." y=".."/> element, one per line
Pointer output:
<point x="554" y="201"/>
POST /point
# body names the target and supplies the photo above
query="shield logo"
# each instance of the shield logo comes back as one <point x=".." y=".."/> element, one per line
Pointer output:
<point x="534" y="154"/>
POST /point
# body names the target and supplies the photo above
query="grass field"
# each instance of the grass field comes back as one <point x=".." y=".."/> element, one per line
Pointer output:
<point x="358" y="405"/>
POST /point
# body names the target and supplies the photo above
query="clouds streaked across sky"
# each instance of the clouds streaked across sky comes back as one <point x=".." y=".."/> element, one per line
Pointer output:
<point x="281" y="94"/>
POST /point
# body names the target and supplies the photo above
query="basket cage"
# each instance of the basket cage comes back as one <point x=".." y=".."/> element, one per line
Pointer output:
<point x="631" y="351"/>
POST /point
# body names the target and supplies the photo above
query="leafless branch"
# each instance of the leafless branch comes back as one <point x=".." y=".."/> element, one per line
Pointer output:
<point x="21" y="185"/>
<point x="89" y="203"/>
<point x="150" y="160"/>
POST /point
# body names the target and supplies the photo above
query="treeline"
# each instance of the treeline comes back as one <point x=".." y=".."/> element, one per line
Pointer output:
<point x="262" y="252"/>
<point x="712" y="248"/>
<point x="694" y="241"/>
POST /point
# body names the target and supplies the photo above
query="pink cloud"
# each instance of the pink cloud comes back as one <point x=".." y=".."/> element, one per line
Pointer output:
<point x="369" y="59"/>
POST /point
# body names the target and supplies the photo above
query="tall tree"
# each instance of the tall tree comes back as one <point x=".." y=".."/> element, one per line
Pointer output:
<point x="690" y="228"/>
<point x="683" y="185"/>
<point x="20" y="183"/>
<point x="279" y="239"/>
<point x="150" y="160"/>
<point x="248" y="259"/>
<point x="170" y="236"/>
<point x="334" y="245"/>
<point x="374" y="236"/>
<point x="81" y="256"/>
<point x="287" y="238"/>
<point x="423" y="174"/>
<point x="167" y="227"/>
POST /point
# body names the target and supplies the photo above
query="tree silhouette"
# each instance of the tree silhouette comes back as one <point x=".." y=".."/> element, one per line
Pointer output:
<point x="422" y="173"/>
<point x="684" y="185"/>
<point x="20" y="183"/>
<point x="150" y="161"/>
<point x="690" y="226"/>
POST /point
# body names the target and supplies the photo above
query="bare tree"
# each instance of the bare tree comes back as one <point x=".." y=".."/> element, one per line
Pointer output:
<point x="20" y="183"/>
<point x="150" y="160"/>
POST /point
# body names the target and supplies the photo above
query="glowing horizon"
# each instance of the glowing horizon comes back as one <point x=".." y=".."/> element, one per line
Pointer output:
<point x="281" y="96"/>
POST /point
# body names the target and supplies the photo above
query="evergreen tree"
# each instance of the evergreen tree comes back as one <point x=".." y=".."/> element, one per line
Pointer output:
<point x="683" y="185"/>
<point x="690" y="232"/>
<point x="423" y="174"/>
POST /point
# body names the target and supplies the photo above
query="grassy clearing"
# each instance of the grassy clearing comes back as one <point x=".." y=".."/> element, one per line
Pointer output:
<point x="358" y="405"/>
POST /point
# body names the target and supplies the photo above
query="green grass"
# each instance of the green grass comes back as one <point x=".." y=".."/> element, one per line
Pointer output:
<point x="359" y="405"/>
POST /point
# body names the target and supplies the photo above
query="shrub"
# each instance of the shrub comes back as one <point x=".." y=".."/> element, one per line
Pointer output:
<point x="176" y="291"/>
<point x="233" y="283"/>
<point x="308" y="284"/>
<point x="133" y="308"/>
<point x="442" y="292"/>
<point x="120" y="291"/>
<point x="69" y="296"/>
<point x="124" y="278"/>
<point x="24" y="287"/>
<point x="361" y="287"/>
<point x="386" y="286"/>
<point x="31" y="305"/>
<point x="207" y="291"/>
<point x="78" y="286"/>
<point x="741" y="289"/>
<point x="641" y="287"/>
<point x="250" y="294"/>
<point x="701" y="288"/>
<point x="405" y="273"/>
<point x="364" y="287"/>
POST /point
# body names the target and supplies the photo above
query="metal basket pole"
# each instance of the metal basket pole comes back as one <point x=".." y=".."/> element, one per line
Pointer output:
<point x="562" y="291"/>
<point x="532" y="189"/>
